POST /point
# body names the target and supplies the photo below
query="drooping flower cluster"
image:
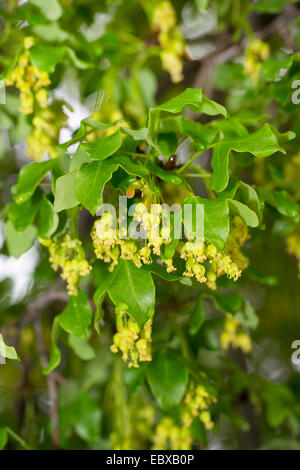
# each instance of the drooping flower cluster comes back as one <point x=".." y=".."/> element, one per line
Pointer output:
<point x="237" y="237"/>
<point x="203" y="260"/>
<point x="170" y="39"/>
<point x="29" y="80"/>
<point x="293" y="247"/>
<point x="196" y="252"/>
<point x="257" y="52"/>
<point x="140" y="430"/>
<point x="170" y="436"/>
<point x="67" y="253"/>
<point x="196" y="403"/>
<point x="110" y="246"/>
<point x="233" y="335"/>
<point x="133" y="342"/>
<point x="46" y="128"/>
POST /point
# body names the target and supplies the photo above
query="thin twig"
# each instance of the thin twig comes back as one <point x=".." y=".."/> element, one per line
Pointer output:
<point x="51" y="384"/>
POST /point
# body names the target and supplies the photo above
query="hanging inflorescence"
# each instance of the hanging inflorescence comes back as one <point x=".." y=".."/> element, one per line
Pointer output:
<point x="68" y="255"/>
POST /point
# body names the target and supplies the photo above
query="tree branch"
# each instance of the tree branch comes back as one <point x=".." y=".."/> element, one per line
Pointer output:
<point x="51" y="384"/>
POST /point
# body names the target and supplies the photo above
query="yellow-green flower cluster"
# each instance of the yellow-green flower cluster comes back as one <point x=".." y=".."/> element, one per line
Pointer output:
<point x="233" y="335"/>
<point x="68" y="255"/>
<point x="257" y="52"/>
<point x="293" y="247"/>
<point x="156" y="234"/>
<point x="133" y="342"/>
<point x="110" y="246"/>
<point x="237" y="237"/>
<point x="169" y="436"/>
<point x="46" y="128"/>
<point x="141" y="420"/>
<point x="195" y="252"/>
<point x="196" y="403"/>
<point x="29" y="80"/>
<point x="170" y="39"/>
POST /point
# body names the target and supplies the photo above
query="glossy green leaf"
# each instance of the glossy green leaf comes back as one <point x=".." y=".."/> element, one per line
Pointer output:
<point x="168" y="176"/>
<point x="29" y="177"/>
<point x="19" y="242"/>
<point x="77" y="316"/>
<point x="46" y="57"/>
<point x="248" y="215"/>
<point x="134" y="287"/>
<point x="261" y="144"/>
<point x="47" y="219"/>
<point x="22" y="215"/>
<point x="216" y="219"/>
<point x="65" y="197"/>
<point x="90" y="181"/>
<point x="167" y="375"/>
<point x="104" y="147"/>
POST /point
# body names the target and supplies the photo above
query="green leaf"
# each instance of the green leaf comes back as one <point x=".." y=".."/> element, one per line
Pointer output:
<point x="140" y="134"/>
<point x="261" y="144"/>
<point x="79" y="158"/>
<point x="134" y="287"/>
<point x="51" y="9"/>
<point x="22" y="215"/>
<point x="55" y="354"/>
<point x="161" y="272"/>
<point x="29" y="177"/>
<point x="167" y="143"/>
<point x="282" y="201"/>
<point x="45" y="57"/>
<point x="283" y="227"/>
<point x="19" y="242"/>
<point x="228" y="303"/>
<point x="90" y="181"/>
<point x="250" y="198"/>
<point x="47" y="220"/>
<point x="269" y="6"/>
<point x="81" y="347"/>
<point x="79" y="63"/>
<point x="106" y="280"/>
<point x="248" y="215"/>
<point x="77" y="316"/>
<point x="216" y="219"/>
<point x="104" y="147"/>
<point x="167" y="176"/>
<point x="3" y="438"/>
<point x="134" y="168"/>
<point x="65" y="197"/>
<point x="167" y="375"/>
<point x="7" y="352"/>
<point x="191" y="98"/>
<point x="209" y="335"/>
<point x="197" y="316"/>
